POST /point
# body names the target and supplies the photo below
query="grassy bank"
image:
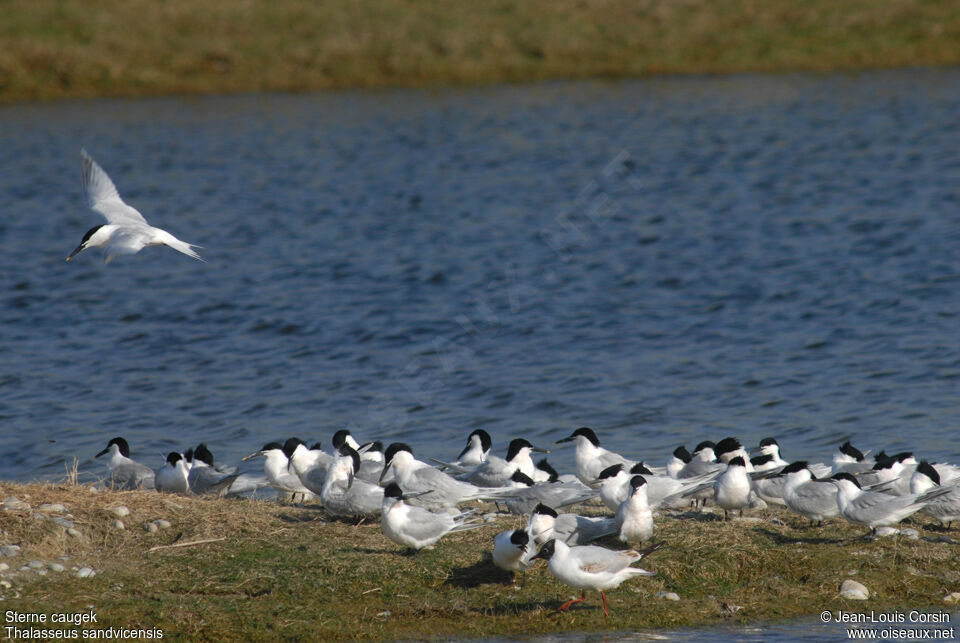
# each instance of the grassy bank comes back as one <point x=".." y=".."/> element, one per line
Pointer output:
<point x="62" y="48"/>
<point x="274" y="571"/>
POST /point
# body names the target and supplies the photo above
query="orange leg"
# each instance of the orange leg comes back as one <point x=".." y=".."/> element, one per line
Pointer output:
<point x="604" y="597"/>
<point x="566" y="606"/>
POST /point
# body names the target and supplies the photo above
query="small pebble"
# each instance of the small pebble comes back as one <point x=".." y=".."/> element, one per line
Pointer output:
<point x="15" y="504"/>
<point x="9" y="550"/>
<point x="910" y="533"/>
<point x="63" y="557"/>
<point x="52" y="508"/>
<point x="36" y="564"/>
<point x="887" y="531"/>
<point x="118" y="524"/>
<point x="85" y="572"/>
<point x="120" y="511"/>
<point x="150" y="527"/>
<point x="854" y="591"/>
<point x="758" y="503"/>
<point x="4" y="567"/>
<point x="5" y="584"/>
<point x="384" y="614"/>
<point x="63" y="522"/>
<point x="56" y="567"/>
<point x="74" y="532"/>
<point x="669" y="596"/>
<point x="952" y="597"/>
<point x="162" y="524"/>
<point x="24" y="569"/>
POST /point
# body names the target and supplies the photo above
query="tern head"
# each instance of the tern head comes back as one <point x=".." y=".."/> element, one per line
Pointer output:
<point x="316" y="446"/>
<point x="543" y="510"/>
<point x="610" y="472"/>
<point x="545" y="466"/>
<point x="726" y="447"/>
<point x="793" y="467"/>
<point x="769" y="446"/>
<point x="851" y="451"/>
<point x="121" y="445"/>
<point x="705" y="451"/>
<point x="477" y="435"/>
<point x="640" y="469"/>
<point x="521" y="478"/>
<point x="518" y="445"/>
<point x="202" y="453"/>
<point x="92" y="239"/>
<point x="546" y="550"/>
<point x="188" y="455"/>
<point x="173" y="458"/>
<point x="583" y="432"/>
<point x="886" y="463"/>
<point x="520" y="538"/>
<point x="926" y="469"/>
<point x="636" y="482"/>
<point x="682" y="454"/>
<point x="840" y="479"/>
<point x="737" y="462"/>
<point x="391" y="454"/>
<point x="267" y="448"/>
<point x="342" y="437"/>
<point x="291" y="445"/>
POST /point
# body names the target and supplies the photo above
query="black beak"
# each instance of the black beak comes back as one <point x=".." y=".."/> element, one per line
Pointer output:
<point x="101" y="453"/>
<point x="74" y="253"/>
<point x="568" y="439"/>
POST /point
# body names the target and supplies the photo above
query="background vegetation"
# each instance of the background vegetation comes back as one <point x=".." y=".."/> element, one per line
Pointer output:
<point x="68" y="48"/>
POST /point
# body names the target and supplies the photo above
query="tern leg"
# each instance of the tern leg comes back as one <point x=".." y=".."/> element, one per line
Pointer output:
<point x="566" y="606"/>
<point x="604" y="597"/>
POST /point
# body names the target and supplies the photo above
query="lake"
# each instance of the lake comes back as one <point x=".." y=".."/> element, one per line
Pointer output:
<point x="665" y="260"/>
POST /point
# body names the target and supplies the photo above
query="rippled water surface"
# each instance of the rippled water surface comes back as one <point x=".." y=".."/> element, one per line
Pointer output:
<point x="663" y="260"/>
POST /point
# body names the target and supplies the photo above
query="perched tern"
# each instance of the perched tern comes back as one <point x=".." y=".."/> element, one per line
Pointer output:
<point x="634" y="515"/>
<point x="203" y="478"/>
<point x="731" y="489"/>
<point x="512" y="551"/>
<point x="497" y="471"/>
<point x="126" y="231"/>
<point x="124" y="472"/>
<point x="678" y="461"/>
<point x="590" y="457"/>
<point x="874" y="509"/>
<point x="527" y="494"/>
<point x="477" y="449"/>
<point x="545" y="523"/>
<point x="344" y="494"/>
<point x="850" y="459"/>
<point x="414" y="476"/>
<point x="803" y="493"/>
<point x="172" y="476"/>
<point x="276" y="467"/>
<point x="591" y="567"/>
<point x="416" y="527"/>
<point x="946" y="508"/>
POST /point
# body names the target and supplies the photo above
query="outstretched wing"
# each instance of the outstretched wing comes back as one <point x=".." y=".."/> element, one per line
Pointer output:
<point x="102" y="195"/>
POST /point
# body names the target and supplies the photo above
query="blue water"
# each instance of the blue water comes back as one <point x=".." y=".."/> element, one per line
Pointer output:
<point x="662" y="260"/>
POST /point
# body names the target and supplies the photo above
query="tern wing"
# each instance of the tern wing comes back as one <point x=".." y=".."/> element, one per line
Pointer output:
<point x="596" y="560"/>
<point x="102" y="195"/>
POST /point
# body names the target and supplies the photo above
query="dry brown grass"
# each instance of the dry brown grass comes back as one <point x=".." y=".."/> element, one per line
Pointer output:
<point x="286" y="571"/>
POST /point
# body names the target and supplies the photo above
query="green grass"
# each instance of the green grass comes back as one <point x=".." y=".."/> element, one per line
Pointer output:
<point x="287" y="572"/>
<point x="70" y="48"/>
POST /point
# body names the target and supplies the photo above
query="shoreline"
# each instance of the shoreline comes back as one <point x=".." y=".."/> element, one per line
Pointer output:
<point x="54" y="50"/>
<point x="222" y="569"/>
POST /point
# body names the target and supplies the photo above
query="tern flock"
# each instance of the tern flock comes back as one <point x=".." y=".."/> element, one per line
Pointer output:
<point x="418" y="502"/>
